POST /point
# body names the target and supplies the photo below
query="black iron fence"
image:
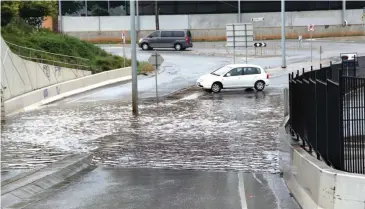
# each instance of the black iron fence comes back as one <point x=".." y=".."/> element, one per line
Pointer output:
<point x="327" y="114"/>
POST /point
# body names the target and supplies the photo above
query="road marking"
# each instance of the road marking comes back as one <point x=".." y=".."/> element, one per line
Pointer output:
<point x="241" y="189"/>
<point x="258" y="180"/>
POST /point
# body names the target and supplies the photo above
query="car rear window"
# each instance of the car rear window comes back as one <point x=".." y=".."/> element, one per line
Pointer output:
<point x="178" y="34"/>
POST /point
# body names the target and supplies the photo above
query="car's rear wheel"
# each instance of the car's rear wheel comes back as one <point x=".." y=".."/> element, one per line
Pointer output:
<point x="259" y="85"/>
<point x="216" y="87"/>
<point x="145" y="46"/>
<point x="178" y="47"/>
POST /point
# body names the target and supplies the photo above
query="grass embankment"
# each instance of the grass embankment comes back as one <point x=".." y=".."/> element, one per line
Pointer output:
<point x="95" y="58"/>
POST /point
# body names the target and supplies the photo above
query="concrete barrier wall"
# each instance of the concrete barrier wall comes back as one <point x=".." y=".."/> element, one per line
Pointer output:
<point x="212" y="26"/>
<point x="61" y="90"/>
<point x="316" y="185"/>
<point x="20" y="76"/>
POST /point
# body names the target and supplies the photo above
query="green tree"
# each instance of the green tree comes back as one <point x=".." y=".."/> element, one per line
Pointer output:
<point x="34" y="11"/>
<point x="9" y="10"/>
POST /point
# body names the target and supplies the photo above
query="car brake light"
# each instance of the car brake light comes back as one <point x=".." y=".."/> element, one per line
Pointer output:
<point x="345" y="57"/>
<point x="186" y="39"/>
<point x="267" y="76"/>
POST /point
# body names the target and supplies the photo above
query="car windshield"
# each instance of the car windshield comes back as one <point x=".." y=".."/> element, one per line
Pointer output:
<point x="221" y="71"/>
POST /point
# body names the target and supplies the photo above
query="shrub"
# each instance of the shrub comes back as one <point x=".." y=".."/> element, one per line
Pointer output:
<point x="95" y="58"/>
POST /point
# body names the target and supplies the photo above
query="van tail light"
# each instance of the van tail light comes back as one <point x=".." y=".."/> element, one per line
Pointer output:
<point x="267" y="76"/>
<point x="187" y="39"/>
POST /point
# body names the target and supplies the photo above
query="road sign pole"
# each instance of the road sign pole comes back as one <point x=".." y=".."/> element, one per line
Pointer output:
<point x="156" y="72"/>
<point x="134" y="60"/>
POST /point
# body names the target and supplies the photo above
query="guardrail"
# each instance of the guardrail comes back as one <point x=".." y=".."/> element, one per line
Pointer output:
<point x="327" y="114"/>
<point x="50" y="58"/>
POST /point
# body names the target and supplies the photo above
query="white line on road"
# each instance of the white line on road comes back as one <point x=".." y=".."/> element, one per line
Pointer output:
<point x="241" y="189"/>
<point x="258" y="180"/>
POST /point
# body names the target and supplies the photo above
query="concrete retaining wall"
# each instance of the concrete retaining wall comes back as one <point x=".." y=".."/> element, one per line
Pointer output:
<point x="212" y="26"/>
<point x="316" y="185"/>
<point x="61" y="90"/>
<point x="21" y="76"/>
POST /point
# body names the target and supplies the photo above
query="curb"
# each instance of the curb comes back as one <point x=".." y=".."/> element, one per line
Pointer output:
<point x="26" y="188"/>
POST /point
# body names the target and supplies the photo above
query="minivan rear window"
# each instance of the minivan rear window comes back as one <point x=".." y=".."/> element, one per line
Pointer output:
<point x="178" y="33"/>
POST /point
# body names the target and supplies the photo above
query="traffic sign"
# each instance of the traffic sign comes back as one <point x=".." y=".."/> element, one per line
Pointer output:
<point x="257" y="19"/>
<point x="310" y="27"/>
<point x="300" y="38"/>
<point x="155" y="61"/>
<point x="259" y="44"/>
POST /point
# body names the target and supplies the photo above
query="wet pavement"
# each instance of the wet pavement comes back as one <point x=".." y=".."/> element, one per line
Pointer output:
<point x="113" y="188"/>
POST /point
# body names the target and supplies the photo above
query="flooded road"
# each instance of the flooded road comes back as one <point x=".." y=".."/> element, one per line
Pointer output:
<point x="233" y="130"/>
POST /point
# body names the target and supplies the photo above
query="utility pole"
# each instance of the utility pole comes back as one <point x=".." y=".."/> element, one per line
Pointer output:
<point x="156" y="16"/>
<point x="283" y="55"/>
<point x="134" y="59"/>
<point x="343" y="12"/>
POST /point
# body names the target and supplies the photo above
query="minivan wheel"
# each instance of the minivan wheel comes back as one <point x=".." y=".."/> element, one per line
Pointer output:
<point x="178" y="47"/>
<point x="259" y="85"/>
<point x="145" y="46"/>
<point x="216" y="87"/>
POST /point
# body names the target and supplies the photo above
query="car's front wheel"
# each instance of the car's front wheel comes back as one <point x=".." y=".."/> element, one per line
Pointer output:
<point x="145" y="46"/>
<point x="216" y="87"/>
<point x="259" y="85"/>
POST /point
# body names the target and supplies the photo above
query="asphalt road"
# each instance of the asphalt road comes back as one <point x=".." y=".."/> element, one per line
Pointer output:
<point x="234" y="131"/>
<point x="112" y="188"/>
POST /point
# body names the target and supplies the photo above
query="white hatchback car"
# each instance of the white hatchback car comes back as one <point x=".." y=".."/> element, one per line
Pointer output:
<point x="235" y="76"/>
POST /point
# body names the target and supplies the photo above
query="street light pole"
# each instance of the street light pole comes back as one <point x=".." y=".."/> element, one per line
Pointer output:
<point x="283" y="55"/>
<point x="134" y="59"/>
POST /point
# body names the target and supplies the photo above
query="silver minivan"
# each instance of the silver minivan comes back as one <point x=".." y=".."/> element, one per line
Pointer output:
<point x="177" y="39"/>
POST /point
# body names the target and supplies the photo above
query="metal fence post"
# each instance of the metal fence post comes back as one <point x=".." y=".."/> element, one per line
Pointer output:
<point x="2" y="107"/>
<point x="286" y="102"/>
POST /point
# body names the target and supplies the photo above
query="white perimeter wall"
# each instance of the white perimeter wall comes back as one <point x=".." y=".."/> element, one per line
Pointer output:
<point x="208" y="21"/>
